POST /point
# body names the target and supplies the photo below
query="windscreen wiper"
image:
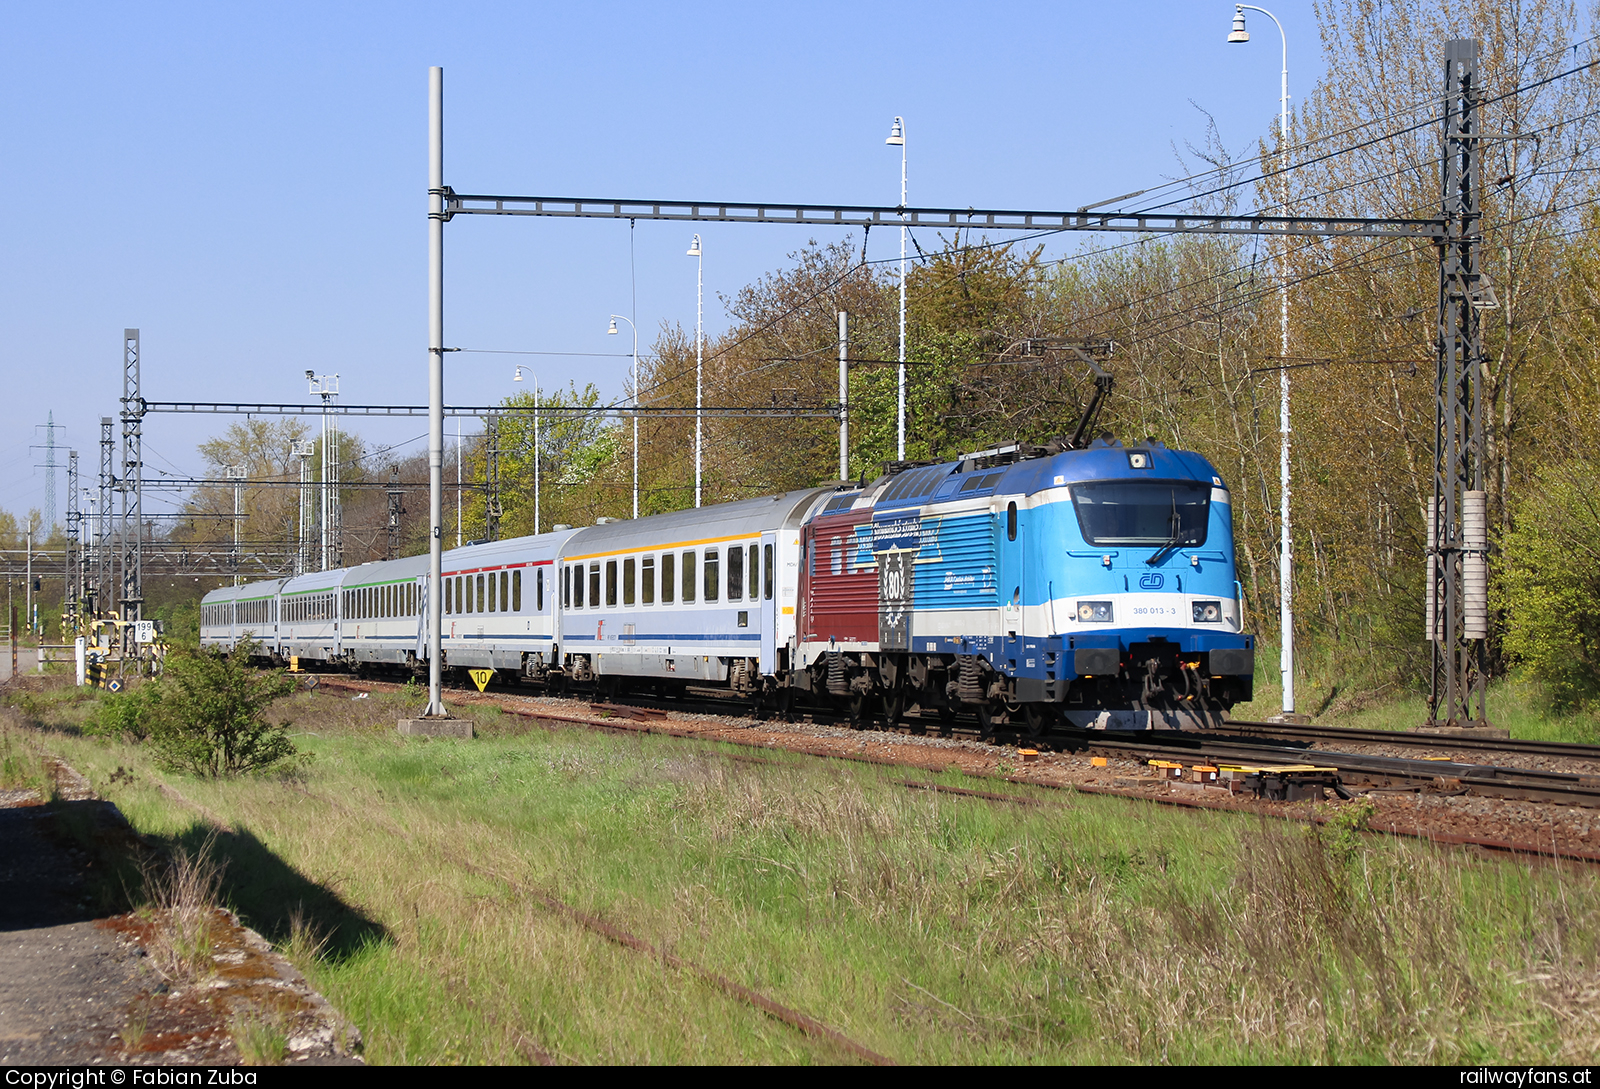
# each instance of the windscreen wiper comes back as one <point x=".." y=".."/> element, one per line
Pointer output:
<point x="1177" y="535"/>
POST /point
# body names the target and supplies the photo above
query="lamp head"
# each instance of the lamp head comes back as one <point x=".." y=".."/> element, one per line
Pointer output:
<point x="518" y="376"/>
<point x="613" y="330"/>
<point x="310" y="375"/>
<point x="897" y="135"/>
<point x="694" y="247"/>
<point x="1239" y="33"/>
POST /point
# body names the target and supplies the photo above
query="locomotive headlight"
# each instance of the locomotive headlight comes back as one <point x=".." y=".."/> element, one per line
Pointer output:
<point x="1094" y="612"/>
<point x="1208" y="612"/>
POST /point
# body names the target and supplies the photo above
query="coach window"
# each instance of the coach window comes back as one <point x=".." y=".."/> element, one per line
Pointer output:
<point x="1011" y="521"/>
<point x="611" y="584"/>
<point x="538" y="582"/>
<point x="736" y="573"/>
<point x="461" y="605"/>
<point x="755" y="571"/>
<point x="505" y="599"/>
<point x="449" y="607"/>
<point x="766" y="572"/>
<point x="669" y="571"/>
<point x="629" y="571"/>
<point x="711" y="562"/>
<point x="594" y="586"/>
<point x="647" y="580"/>
<point x="494" y="600"/>
<point x="577" y="586"/>
<point x="688" y="578"/>
<point x="516" y="591"/>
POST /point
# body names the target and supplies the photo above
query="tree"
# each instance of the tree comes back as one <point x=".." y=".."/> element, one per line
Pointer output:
<point x="584" y="470"/>
<point x="1550" y="581"/>
<point x="210" y="714"/>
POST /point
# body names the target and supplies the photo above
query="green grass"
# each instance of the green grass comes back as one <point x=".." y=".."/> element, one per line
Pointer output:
<point x="403" y="876"/>
<point x="1515" y="703"/>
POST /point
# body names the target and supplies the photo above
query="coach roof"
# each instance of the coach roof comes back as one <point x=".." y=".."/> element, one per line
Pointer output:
<point x="745" y="518"/>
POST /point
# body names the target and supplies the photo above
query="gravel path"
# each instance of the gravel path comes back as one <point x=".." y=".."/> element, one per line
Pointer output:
<point x="65" y="981"/>
<point x="77" y="986"/>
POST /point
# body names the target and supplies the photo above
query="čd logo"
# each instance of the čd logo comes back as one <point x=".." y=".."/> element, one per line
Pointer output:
<point x="1152" y="581"/>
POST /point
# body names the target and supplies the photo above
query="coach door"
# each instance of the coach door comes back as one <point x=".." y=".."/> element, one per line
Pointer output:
<point x="764" y="574"/>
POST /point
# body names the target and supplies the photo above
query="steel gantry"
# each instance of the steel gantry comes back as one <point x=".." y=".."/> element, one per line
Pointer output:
<point x="131" y="487"/>
<point x="1457" y="624"/>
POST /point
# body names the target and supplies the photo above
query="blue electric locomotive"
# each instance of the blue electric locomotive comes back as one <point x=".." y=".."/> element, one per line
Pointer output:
<point x="1088" y="587"/>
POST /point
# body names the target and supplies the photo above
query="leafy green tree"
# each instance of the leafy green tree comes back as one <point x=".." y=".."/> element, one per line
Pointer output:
<point x="581" y="462"/>
<point x="1550" y="579"/>
<point x="211" y="717"/>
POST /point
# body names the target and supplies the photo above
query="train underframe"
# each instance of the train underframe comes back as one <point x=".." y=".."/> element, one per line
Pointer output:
<point x="1154" y="685"/>
<point x="1153" y="680"/>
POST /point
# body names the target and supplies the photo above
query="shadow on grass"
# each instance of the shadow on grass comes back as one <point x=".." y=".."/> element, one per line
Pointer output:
<point x="271" y="897"/>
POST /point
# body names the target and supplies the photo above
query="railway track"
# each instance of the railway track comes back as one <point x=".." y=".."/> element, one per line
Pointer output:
<point x="1364" y="771"/>
<point x="1275" y="746"/>
<point x="1381" y="774"/>
<point x="1410" y="739"/>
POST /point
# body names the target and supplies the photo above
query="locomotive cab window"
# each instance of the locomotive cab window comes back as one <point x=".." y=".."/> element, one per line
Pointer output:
<point x="1156" y="512"/>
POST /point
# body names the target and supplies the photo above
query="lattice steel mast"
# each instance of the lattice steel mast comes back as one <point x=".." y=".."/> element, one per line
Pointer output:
<point x="1456" y="607"/>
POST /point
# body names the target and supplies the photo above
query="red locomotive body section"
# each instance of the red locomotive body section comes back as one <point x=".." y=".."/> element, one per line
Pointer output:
<point x="839" y="580"/>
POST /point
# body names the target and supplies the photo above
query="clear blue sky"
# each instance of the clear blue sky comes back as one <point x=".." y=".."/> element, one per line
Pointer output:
<point x="247" y="183"/>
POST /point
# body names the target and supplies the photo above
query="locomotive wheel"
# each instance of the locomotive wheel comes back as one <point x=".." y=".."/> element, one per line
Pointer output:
<point x="857" y="710"/>
<point x="894" y="706"/>
<point x="989" y="717"/>
<point x="1037" y="718"/>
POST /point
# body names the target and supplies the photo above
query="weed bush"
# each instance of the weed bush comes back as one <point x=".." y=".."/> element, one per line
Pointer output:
<point x="126" y="715"/>
<point x="212" y="719"/>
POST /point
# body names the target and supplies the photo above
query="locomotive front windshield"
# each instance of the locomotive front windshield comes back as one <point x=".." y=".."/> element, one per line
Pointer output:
<point x="1143" y="512"/>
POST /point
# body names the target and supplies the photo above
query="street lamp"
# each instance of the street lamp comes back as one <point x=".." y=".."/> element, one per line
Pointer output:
<point x="699" y="298"/>
<point x="1286" y="562"/>
<point x="613" y="332"/>
<point x="897" y="138"/>
<point x="518" y="378"/>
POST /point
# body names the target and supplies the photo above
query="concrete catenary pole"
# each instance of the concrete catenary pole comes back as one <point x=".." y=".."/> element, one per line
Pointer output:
<point x="844" y="396"/>
<point x="435" y="620"/>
